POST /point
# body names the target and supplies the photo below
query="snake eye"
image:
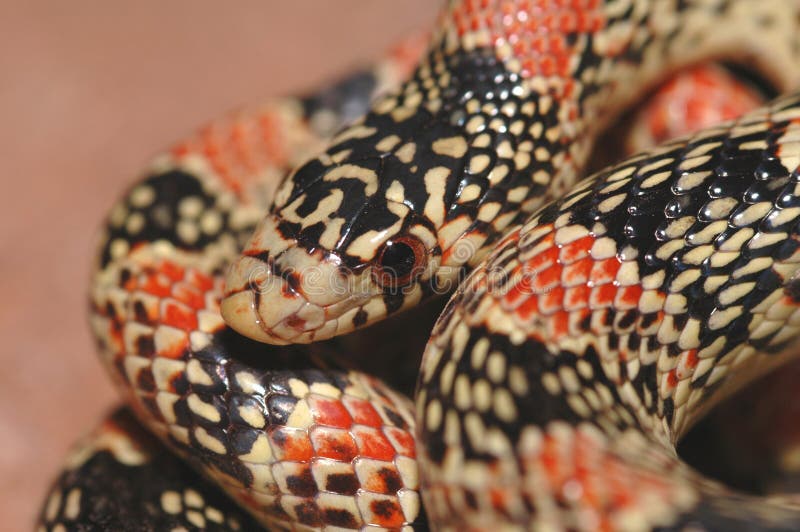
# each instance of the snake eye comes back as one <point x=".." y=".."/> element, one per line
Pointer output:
<point x="400" y="261"/>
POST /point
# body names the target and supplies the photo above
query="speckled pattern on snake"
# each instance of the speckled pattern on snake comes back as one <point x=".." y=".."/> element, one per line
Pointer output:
<point x="600" y="320"/>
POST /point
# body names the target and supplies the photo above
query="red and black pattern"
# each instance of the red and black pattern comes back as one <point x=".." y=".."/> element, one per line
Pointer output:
<point x="559" y="377"/>
<point x="296" y="437"/>
<point x="624" y="310"/>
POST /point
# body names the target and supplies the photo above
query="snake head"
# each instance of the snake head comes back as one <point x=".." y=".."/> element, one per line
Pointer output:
<point x="394" y="211"/>
<point x="298" y="281"/>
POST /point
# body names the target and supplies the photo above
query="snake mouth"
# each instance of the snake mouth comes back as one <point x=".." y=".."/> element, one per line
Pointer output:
<point x="274" y="310"/>
<point x="279" y="293"/>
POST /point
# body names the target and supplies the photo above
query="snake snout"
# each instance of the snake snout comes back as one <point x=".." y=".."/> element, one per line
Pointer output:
<point x="243" y="305"/>
<point x="278" y="292"/>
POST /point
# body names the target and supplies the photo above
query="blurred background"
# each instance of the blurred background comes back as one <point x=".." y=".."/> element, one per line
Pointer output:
<point x="89" y="90"/>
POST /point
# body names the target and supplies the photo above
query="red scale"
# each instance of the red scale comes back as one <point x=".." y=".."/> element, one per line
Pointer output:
<point x="157" y="284"/>
<point x="189" y="295"/>
<point x="628" y="297"/>
<point x="178" y="315"/>
<point x="576" y="298"/>
<point x="362" y="412"/>
<point x="372" y="443"/>
<point x="330" y="412"/>
<point x="173" y="271"/>
<point x="577" y="273"/>
<point x="291" y="444"/>
<point x="402" y="441"/>
<point x="333" y="443"/>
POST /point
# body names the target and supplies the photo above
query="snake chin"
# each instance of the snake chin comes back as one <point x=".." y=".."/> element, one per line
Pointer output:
<point x="246" y="312"/>
<point x="278" y="311"/>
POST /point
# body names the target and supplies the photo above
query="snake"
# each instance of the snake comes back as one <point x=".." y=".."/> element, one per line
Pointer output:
<point x="593" y="321"/>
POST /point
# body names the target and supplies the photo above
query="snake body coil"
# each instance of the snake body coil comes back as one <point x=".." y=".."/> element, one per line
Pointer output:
<point x="610" y="321"/>
<point x="567" y="365"/>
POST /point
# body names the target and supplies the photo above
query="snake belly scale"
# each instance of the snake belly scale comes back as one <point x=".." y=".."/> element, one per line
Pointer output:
<point x="593" y="331"/>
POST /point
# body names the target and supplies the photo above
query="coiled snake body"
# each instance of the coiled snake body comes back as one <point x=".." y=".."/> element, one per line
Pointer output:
<point x="584" y="344"/>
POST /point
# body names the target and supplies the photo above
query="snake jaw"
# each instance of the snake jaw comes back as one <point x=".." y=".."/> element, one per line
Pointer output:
<point x="241" y="305"/>
<point x="278" y="292"/>
<point x="275" y="312"/>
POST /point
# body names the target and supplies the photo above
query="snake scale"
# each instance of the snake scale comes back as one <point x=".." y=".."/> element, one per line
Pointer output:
<point x="593" y="321"/>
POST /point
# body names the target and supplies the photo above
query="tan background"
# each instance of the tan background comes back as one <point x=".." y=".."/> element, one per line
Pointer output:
<point x="88" y="91"/>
